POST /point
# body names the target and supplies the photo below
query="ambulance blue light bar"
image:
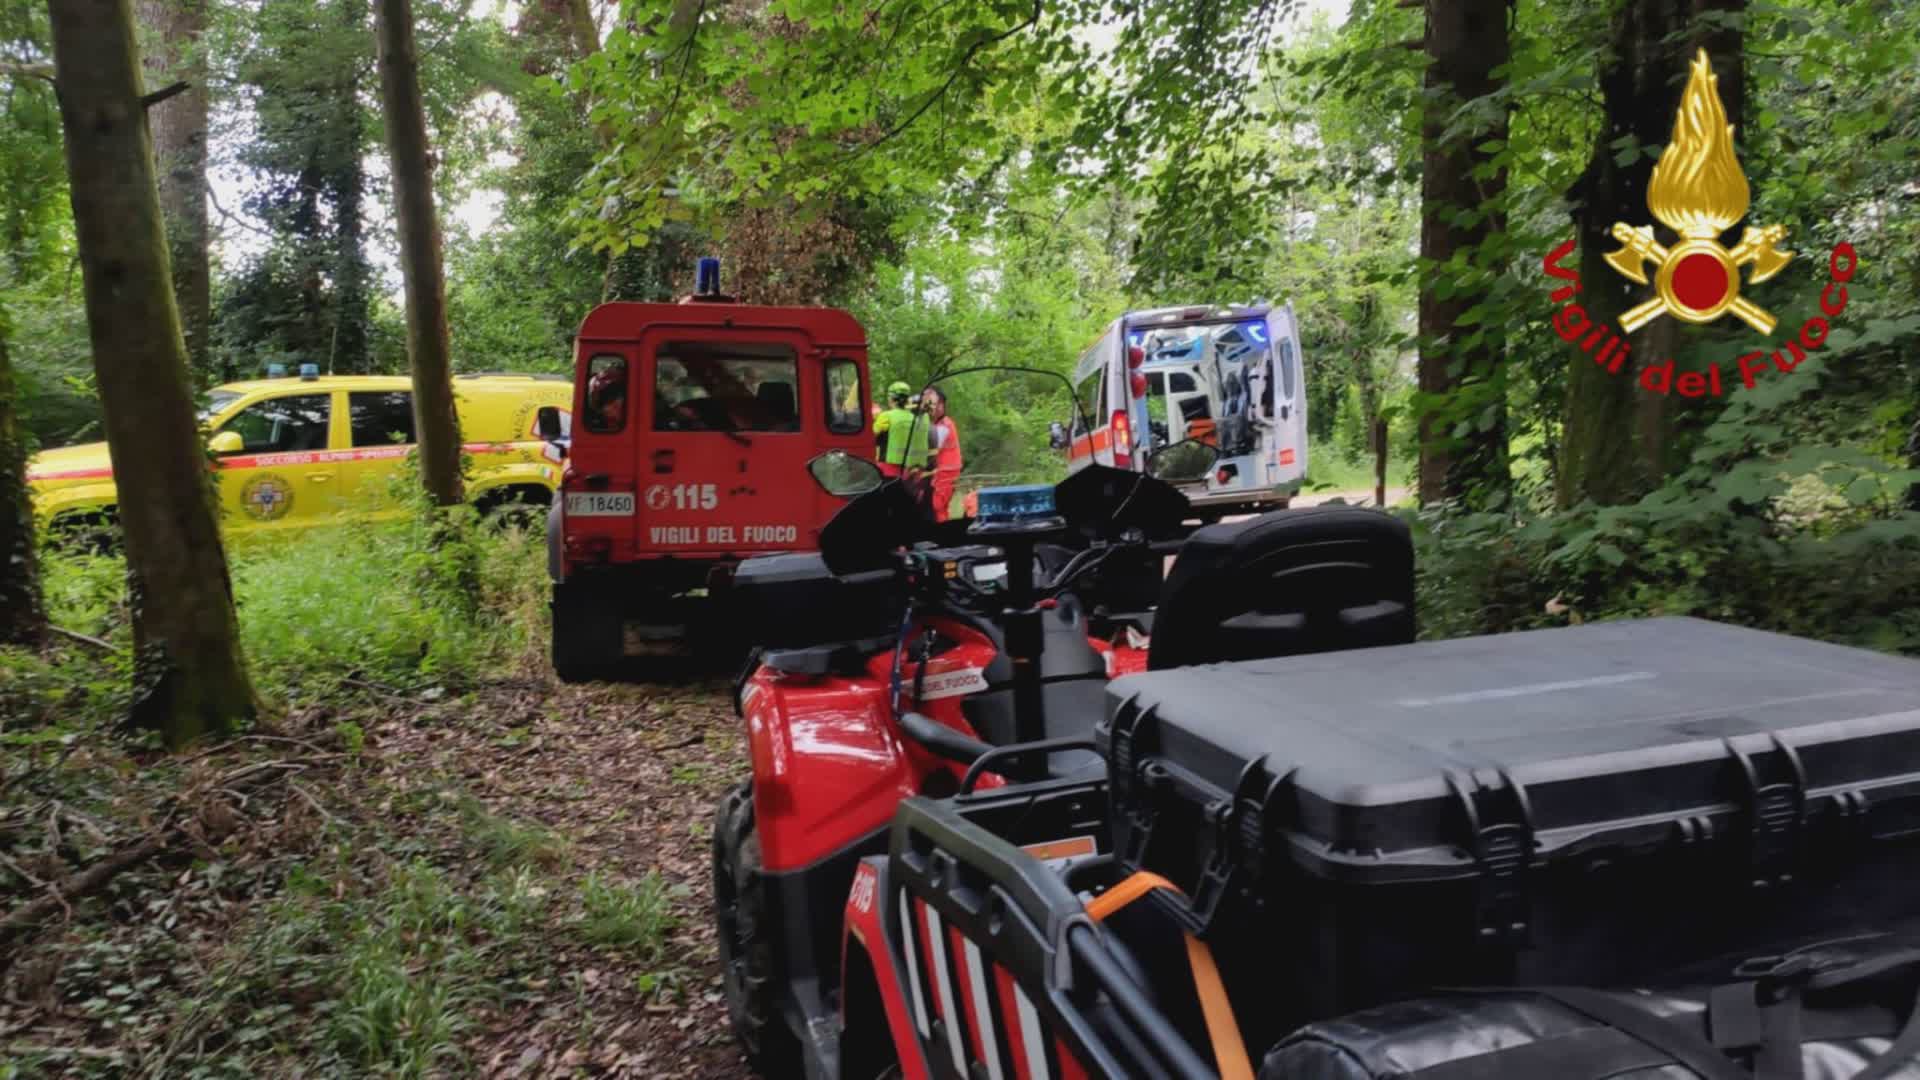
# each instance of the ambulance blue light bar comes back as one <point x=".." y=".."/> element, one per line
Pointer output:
<point x="1006" y="507"/>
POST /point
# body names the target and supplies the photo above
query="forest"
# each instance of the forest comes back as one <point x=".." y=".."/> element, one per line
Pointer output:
<point x="316" y="806"/>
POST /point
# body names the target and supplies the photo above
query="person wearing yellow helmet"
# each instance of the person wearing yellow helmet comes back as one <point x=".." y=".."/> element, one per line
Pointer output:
<point x="904" y="437"/>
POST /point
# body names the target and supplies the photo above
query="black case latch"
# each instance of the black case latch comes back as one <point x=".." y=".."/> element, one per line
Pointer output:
<point x="1774" y="785"/>
<point x="1127" y="799"/>
<point x="1500" y="824"/>
<point x="1237" y="853"/>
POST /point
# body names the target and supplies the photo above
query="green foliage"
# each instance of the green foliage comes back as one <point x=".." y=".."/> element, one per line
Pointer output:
<point x="507" y="843"/>
<point x="808" y="97"/>
<point x="318" y="618"/>
<point x="316" y="613"/>
<point x="39" y="285"/>
<point x="631" y="918"/>
<point x="1750" y="532"/>
<point x="1034" y="299"/>
<point x="392" y="976"/>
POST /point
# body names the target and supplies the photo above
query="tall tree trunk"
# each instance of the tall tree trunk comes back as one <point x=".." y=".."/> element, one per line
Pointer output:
<point x="1913" y="435"/>
<point x="436" y="423"/>
<point x="586" y="35"/>
<point x="179" y="126"/>
<point x="190" y="682"/>
<point x="1725" y="42"/>
<point x="348" y="353"/>
<point x="1618" y="438"/>
<point x="22" y="617"/>
<point x="1467" y="40"/>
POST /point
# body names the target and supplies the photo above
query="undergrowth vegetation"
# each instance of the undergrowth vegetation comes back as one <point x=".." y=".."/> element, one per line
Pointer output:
<point x="372" y="909"/>
<point x="370" y="607"/>
<point x="1766" y="526"/>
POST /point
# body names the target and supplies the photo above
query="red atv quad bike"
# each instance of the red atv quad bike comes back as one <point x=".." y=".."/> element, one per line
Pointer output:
<point x="912" y="659"/>
<point x="690" y="423"/>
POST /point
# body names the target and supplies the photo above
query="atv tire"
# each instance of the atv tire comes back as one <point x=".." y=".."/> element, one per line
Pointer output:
<point x="587" y="633"/>
<point x="746" y="937"/>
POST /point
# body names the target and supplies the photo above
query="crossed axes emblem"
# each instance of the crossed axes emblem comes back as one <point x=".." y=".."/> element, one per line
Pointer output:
<point x="1697" y="280"/>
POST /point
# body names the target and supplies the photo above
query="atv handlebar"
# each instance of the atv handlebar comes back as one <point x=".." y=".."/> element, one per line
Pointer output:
<point x="1019" y="750"/>
<point x="941" y="739"/>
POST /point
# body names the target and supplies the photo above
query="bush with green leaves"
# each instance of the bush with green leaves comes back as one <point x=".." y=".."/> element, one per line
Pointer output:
<point x="1760" y="528"/>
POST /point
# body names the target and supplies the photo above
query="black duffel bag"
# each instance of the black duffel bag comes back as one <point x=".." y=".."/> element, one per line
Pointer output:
<point x="1841" y="1011"/>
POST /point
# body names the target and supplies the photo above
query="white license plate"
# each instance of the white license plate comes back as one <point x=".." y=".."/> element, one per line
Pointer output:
<point x="599" y="504"/>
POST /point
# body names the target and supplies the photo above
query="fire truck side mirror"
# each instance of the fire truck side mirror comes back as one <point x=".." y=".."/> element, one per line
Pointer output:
<point x="547" y="423"/>
<point x="843" y="475"/>
<point x="1057" y="435"/>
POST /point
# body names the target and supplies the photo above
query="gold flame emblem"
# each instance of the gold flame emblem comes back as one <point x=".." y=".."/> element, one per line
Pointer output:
<point x="1698" y="191"/>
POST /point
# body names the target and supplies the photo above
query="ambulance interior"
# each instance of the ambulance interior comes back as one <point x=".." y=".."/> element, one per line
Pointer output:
<point x="1202" y="382"/>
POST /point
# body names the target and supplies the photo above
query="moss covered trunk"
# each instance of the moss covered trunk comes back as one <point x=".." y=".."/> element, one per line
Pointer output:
<point x="191" y="682"/>
<point x="1619" y="439"/>
<point x="1462" y="194"/>
<point x="429" y="352"/>
<point x="22" y="618"/>
<point x="179" y="126"/>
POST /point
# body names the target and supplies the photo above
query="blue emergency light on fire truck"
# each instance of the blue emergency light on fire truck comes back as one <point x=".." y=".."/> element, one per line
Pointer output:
<point x="1226" y="376"/>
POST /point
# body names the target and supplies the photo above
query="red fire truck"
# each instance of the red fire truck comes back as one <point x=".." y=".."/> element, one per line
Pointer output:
<point x="691" y="429"/>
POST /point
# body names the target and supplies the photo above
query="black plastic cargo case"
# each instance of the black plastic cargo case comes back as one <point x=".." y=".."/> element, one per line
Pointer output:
<point x="1574" y="805"/>
<point x="793" y="601"/>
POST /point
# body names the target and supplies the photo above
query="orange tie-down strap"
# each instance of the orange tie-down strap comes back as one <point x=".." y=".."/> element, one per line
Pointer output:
<point x="1229" y="1050"/>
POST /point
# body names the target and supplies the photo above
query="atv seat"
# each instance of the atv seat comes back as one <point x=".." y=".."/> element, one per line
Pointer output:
<point x="1287" y="582"/>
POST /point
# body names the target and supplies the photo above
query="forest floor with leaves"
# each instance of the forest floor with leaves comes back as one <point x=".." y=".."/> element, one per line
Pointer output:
<point x="507" y="882"/>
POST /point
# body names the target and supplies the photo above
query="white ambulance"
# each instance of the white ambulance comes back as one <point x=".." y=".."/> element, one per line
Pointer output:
<point x="1225" y="377"/>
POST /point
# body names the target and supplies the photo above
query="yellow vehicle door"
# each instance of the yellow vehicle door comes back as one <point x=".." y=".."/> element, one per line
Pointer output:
<point x="380" y="435"/>
<point x="275" y="468"/>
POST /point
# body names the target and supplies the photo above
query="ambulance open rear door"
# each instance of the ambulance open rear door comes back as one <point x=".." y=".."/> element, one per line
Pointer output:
<point x="1281" y="412"/>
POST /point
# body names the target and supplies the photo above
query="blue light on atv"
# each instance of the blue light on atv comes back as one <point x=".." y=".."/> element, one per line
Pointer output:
<point x="1257" y="331"/>
<point x="706" y="276"/>
<point x="1015" y="505"/>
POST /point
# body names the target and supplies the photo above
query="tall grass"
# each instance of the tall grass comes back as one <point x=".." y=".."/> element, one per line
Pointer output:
<point x="399" y="604"/>
<point x="396" y="605"/>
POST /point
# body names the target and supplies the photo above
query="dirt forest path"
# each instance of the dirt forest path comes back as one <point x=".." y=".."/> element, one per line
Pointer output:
<point x="1357" y="498"/>
<point x="627" y="776"/>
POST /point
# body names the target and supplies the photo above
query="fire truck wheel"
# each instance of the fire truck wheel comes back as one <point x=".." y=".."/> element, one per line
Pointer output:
<point x="587" y="640"/>
<point x="747" y="939"/>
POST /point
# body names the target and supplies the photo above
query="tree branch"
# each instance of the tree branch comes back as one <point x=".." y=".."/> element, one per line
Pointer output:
<point x="84" y="639"/>
<point x="952" y="77"/>
<point x="150" y="100"/>
<point x="26" y="71"/>
<point x="233" y="218"/>
<point x="29" y="915"/>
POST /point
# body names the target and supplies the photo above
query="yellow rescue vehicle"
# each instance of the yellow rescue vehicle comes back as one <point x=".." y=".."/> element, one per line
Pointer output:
<point x="295" y="451"/>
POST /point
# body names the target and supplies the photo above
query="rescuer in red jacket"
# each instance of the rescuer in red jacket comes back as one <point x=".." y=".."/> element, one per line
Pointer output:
<point x="946" y="451"/>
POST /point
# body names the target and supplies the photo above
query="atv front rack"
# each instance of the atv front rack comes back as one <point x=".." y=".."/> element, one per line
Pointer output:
<point x="1008" y="974"/>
